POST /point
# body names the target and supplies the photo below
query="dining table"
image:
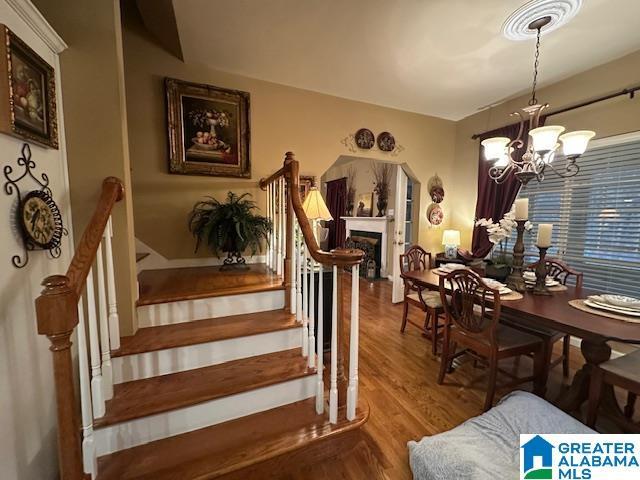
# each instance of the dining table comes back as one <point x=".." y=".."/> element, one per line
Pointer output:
<point x="554" y="312"/>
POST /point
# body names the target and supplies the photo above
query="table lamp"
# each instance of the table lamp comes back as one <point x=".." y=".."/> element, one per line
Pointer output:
<point x="451" y="241"/>
<point x="315" y="209"/>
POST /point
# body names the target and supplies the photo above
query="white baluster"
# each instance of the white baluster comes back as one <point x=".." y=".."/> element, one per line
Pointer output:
<point x="312" y="314"/>
<point x="293" y="272"/>
<point x="274" y="258"/>
<point x="270" y="246"/>
<point x="333" y="388"/>
<point x="114" y="319"/>
<point x="298" y="255"/>
<point x="283" y="227"/>
<point x="89" y="458"/>
<point x="97" y="389"/>
<point x="280" y="233"/>
<point x="305" y="302"/>
<point x="352" y="391"/>
<point x="320" y="380"/>
<point x="103" y="318"/>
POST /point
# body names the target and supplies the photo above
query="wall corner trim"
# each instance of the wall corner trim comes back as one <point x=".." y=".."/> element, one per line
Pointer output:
<point x="34" y="19"/>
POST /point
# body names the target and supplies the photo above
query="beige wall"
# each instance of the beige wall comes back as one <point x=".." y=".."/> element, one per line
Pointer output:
<point x="616" y="116"/>
<point x="282" y="118"/>
<point x="94" y="107"/>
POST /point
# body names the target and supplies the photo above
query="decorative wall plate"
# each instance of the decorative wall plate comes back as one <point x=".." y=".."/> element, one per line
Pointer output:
<point x="435" y="215"/>
<point x="365" y="138"/>
<point x="386" y="142"/>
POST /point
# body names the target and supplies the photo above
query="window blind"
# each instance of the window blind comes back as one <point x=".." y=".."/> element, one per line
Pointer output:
<point x="595" y="216"/>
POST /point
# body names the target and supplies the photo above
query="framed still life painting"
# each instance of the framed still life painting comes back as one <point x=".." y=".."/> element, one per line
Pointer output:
<point x="208" y="130"/>
<point x="27" y="92"/>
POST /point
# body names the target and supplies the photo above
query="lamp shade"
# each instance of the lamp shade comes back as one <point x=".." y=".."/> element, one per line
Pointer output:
<point x="494" y="148"/>
<point x="575" y="143"/>
<point x="545" y="138"/>
<point x="451" y="237"/>
<point x="314" y="206"/>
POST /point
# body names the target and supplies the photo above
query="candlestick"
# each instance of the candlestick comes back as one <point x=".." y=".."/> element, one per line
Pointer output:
<point x="515" y="281"/>
<point x="544" y="235"/>
<point x="541" y="274"/>
<point x="522" y="209"/>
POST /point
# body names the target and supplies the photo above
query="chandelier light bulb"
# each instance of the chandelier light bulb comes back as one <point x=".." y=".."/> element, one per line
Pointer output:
<point x="545" y="138"/>
<point x="575" y="143"/>
<point x="494" y="148"/>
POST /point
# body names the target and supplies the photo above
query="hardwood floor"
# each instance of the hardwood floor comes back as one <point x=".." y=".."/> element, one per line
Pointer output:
<point x="175" y="284"/>
<point x="398" y="379"/>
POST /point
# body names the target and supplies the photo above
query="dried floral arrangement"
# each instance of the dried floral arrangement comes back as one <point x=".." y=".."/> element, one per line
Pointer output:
<point x="382" y="178"/>
<point x="351" y="189"/>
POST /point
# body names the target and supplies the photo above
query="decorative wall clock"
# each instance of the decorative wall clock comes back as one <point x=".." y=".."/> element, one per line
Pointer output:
<point x="38" y="217"/>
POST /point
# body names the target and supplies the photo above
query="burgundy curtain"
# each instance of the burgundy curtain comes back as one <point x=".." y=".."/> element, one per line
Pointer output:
<point x="337" y="204"/>
<point x="495" y="200"/>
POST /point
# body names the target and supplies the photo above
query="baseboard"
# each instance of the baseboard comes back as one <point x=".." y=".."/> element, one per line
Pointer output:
<point x="179" y="359"/>
<point x="156" y="261"/>
<point x="155" y="427"/>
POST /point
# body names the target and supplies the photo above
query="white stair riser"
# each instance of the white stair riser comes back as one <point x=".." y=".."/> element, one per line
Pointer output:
<point x="155" y="427"/>
<point x="214" y="307"/>
<point x="172" y="360"/>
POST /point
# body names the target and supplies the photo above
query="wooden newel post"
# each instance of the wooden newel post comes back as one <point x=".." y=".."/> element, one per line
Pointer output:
<point x="57" y="316"/>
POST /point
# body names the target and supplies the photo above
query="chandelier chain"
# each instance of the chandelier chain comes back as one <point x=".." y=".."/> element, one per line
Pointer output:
<point x="536" y="62"/>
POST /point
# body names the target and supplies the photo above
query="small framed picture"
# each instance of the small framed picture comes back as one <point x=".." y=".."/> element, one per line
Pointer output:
<point x="208" y="130"/>
<point x="306" y="182"/>
<point x="364" y="207"/>
<point x="28" y="90"/>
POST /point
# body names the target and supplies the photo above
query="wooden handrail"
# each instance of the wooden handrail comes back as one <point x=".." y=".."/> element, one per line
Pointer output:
<point x="112" y="192"/>
<point x="57" y="317"/>
<point x="340" y="256"/>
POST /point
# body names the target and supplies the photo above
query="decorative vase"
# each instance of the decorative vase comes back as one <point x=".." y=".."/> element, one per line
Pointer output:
<point x="382" y="206"/>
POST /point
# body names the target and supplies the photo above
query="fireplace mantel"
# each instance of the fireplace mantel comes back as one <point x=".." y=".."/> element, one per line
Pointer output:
<point x="370" y="224"/>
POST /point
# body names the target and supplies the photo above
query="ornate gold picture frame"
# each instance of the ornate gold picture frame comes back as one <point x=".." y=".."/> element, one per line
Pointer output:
<point x="208" y="130"/>
<point x="27" y="92"/>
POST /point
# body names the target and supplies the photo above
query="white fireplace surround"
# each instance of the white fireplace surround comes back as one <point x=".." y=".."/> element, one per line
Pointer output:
<point x="374" y="225"/>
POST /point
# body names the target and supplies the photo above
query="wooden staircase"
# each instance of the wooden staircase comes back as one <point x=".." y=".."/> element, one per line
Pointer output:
<point x="222" y="380"/>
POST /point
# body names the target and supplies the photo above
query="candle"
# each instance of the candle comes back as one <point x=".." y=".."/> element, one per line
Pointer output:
<point x="544" y="235"/>
<point x="522" y="209"/>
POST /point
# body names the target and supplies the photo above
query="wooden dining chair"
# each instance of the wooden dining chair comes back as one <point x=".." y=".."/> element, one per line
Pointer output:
<point x="472" y="314"/>
<point x="560" y="271"/>
<point x="417" y="258"/>
<point x="623" y="372"/>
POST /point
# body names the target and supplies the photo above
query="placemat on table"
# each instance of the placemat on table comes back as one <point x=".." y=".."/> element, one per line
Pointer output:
<point x="580" y="305"/>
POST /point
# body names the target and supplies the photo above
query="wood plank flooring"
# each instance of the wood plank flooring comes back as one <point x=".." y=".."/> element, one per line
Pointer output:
<point x="398" y="379"/>
<point x="174" y="284"/>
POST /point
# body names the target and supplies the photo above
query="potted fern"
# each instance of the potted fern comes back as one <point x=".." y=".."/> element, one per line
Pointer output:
<point x="231" y="227"/>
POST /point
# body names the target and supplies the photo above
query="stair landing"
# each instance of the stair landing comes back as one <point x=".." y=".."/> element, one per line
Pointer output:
<point x="177" y="284"/>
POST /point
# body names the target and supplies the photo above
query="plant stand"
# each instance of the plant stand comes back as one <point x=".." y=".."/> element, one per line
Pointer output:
<point x="234" y="261"/>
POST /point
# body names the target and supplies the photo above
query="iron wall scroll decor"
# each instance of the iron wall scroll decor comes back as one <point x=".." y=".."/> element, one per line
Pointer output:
<point x="38" y="217"/>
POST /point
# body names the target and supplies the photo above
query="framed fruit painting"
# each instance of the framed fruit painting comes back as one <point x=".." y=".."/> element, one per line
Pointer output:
<point x="208" y="130"/>
<point x="28" y="92"/>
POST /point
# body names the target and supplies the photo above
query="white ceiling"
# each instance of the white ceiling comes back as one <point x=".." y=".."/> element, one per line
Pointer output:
<point x="445" y="58"/>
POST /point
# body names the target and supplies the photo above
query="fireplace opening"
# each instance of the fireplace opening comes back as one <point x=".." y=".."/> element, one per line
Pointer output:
<point x="371" y="244"/>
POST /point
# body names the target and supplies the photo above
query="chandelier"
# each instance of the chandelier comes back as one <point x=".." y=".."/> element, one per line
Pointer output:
<point x="541" y="142"/>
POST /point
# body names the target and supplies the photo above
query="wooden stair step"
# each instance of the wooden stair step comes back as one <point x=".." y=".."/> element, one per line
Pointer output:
<point x="151" y="339"/>
<point x="140" y="398"/>
<point x="221" y="449"/>
<point x="192" y="283"/>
